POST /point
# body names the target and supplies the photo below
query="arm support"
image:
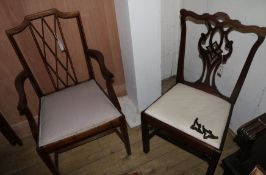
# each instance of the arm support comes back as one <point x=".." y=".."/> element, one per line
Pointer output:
<point x="98" y="56"/>
<point x="19" y="83"/>
<point x="107" y="75"/>
<point x="23" y="104"/>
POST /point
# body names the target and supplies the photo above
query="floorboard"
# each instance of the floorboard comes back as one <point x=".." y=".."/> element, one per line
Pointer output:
<point x="108" y="156"/>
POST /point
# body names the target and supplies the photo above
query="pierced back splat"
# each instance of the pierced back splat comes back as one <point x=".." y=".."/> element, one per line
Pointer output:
<point x="164" y="119"/>
<point x="213" y="55"/>
<point x="215" y="52"/>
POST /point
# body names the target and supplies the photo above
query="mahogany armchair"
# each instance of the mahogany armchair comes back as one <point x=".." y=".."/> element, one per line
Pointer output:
<point x="73" y="109"/>
<point x="195" y="115"/>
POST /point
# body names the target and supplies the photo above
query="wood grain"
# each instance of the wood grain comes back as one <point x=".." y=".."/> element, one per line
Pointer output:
<point x="98" y="17"/>
<point x="108" y="156"/>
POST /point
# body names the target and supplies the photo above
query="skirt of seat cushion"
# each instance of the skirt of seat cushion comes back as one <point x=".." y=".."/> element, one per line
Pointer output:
<point x="74" y="110"/>
<point x="182" y="104"/>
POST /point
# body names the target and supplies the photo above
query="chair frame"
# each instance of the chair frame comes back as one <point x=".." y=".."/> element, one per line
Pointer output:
<point x="23" y="108"/>
<point x="152" y="126"/>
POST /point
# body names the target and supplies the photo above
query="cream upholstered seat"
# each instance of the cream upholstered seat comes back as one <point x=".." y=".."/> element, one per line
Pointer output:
<point x="74" y="110"/>
<point x="182" y="104"/>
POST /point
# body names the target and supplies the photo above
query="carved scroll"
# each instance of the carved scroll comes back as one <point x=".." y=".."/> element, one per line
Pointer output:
<point x="214" y="52"/>
<point x="207" y="133"/>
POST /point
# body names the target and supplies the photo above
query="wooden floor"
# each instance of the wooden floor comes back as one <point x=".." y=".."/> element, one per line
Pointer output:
<point x="107" y="156"/>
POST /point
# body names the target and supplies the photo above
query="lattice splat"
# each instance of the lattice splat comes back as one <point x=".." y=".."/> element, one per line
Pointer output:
<point x="56" y="58"/>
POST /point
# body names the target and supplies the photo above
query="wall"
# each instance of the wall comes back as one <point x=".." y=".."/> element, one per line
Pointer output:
<point x="146" y="41"/>
<point x="196" y="6"/>
<point x="100" y="26"/>
<point x="124" y="30"/>
<point x="170" y="29"/>
<point x="251" y="101"/>
<point x="143" y="30"/>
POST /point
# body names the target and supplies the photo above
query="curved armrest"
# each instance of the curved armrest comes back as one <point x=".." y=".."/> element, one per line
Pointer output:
<point x="108" y="76"/>
<point x="19" y="83"/>
<point x="98" y="56"/>
<point x="23" y="103"/>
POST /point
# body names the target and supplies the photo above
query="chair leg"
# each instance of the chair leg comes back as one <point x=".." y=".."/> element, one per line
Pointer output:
<point x="123" y="128"/>
<point x="145" y="134"/>
<point x="213" y="163"/>
<point x="48" y="162"/>
<point x="56" y="160"/>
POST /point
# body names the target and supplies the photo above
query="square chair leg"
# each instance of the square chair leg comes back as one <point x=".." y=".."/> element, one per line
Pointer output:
<point x="145" y="134"/>
<point x="48" y="162"/>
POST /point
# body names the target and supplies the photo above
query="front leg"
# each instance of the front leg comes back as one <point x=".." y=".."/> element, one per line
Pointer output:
<point x="145" y="133"/>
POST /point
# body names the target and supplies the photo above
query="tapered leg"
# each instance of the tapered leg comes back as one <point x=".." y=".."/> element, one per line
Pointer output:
<point x="213" y="163"/>
<point x="145" y="134"/>
<point x="124" y="133"/>
<point x="48" y="162"/>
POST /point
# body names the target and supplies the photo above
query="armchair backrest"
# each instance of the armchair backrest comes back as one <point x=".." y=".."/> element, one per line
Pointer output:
<point x="51" y="58"/>
<point x="215" y="48"/>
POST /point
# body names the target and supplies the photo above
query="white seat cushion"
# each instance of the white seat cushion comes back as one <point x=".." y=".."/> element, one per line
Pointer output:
<point x="182" y="104"/>
<point x="74" y="110"/>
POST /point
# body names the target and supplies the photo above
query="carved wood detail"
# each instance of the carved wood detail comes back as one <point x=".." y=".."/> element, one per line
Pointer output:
<point x="215" y="52"/>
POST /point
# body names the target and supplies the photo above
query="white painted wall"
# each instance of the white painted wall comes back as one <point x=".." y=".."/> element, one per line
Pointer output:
<point x="124" y="30"/>
<point x="145" y="21"/>
<point x="251" y="101"/>
<point x="199" y="6"/>
<point x="139" y="25"/>
<point x="170" y="25"/>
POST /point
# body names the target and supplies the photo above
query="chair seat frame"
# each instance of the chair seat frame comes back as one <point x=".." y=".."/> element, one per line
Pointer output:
<point x="152" y="126"/>
<point x="117" y="125"/>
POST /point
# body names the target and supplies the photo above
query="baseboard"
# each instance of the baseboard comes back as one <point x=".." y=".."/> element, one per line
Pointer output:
<point x="120" y="90"/>
<point x="131" y="113"/>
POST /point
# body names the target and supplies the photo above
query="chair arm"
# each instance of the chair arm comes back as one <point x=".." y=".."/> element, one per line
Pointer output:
<point x="98" y="56"/>
<point x="108" y="76"/>
<point x="23" y="103"/>
<point x="19" y="83"/>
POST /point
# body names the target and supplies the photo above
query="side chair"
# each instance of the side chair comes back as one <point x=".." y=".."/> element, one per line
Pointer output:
<point x="195" y="114"/>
